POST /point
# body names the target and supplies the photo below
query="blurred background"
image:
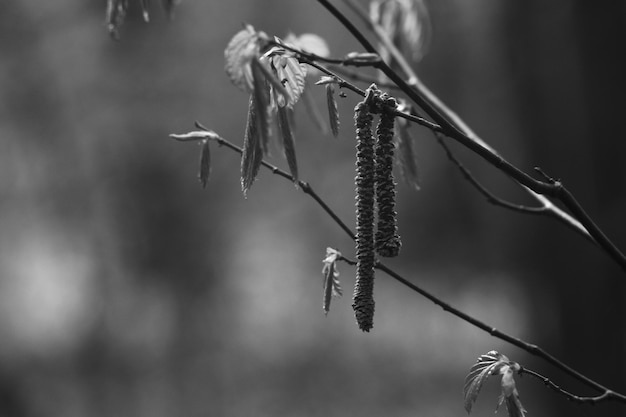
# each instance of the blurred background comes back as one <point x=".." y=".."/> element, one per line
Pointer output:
<point x="128" y="290"/>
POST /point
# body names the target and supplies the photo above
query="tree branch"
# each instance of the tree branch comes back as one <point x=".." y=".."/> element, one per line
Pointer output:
<point x="458" y="131"/>
<point x="535" y="350"/>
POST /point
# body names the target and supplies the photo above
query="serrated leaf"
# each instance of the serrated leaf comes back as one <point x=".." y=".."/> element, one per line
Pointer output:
<point x="242" y="49"/>
<point x="289" y="75"/>
<point x="314" y="112"/>
<point x="332" y="287"/>
<point x="407" y="158"/>
<point x="309" y="42"/>
<point x="205" y="163"/>
<point x="333" y="113"/>
<point x="486" y="365"/>
<point x="289" y="145"/>
<point x="252" y="152"/>
<point x="406" y="23"/>
<point x="510" y="396"/>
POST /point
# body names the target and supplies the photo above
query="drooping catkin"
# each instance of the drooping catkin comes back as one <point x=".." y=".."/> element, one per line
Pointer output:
<point x="387" y="240"/>
<point x="363" y="299"/>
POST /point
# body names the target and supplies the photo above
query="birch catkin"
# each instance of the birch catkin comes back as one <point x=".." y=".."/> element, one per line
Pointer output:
<point x="387" y="241"/>
<point x="363" y="300"/>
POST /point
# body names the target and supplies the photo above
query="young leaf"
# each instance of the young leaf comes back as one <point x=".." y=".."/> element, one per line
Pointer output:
<point x="205" y="163"/>
<point x="242" y="49"/>
<point x="332" y="287"/>
<point x="486" y="365"/>
<point x="333" y="113"/>
<point x="288" y="142"/>
<point x="510" y="396"/>
<point x="252" y="154"/>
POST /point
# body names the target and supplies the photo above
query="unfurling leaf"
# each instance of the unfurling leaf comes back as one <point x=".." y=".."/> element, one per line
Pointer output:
<point x="289" y="145"/>
<point x="242" y="49"/>
<point x="289" y="76"/>
<point x="406" y="23"/>
<point x="309" y="42"/>
<point x="486" y="365"/>
<point x="252" y="154"/>
<point x="510" y="396"/>
<point x="332" y="287"/>
<point x="333" y="113"/>
<point x="205" y="163"/>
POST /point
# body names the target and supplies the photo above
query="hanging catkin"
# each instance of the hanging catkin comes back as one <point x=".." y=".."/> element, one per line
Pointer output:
<point x="363" y="300"/>
<point x="387" y="241"/>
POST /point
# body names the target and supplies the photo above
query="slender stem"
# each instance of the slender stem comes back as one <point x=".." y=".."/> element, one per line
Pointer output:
<point x="530" y="348"/>
<point x="606" y="395"/>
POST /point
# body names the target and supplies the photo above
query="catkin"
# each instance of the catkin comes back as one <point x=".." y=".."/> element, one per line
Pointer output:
<point x="387" y="241"/>
<point x="363" y="299"/>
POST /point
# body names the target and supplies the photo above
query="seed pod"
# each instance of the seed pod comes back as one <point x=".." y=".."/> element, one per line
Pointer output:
<point x="387" y="241"/>
<point x="363" y="300"/>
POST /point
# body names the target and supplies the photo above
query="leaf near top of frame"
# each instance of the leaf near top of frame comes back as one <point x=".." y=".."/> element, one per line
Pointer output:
<point x="241" y="50"/>
<point x="407" y="24"/>
<point x="488" y="364"/>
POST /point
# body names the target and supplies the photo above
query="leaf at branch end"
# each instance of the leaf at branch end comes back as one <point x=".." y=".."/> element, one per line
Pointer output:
<point x="332" y="287"/>
<point x="195" y="136"/>
<point x="407" y="23"/>
<point x="510" y="396"/>
<point x="289" y="76"/>
<point x="252" y="153"/>
<point x="486" y="365"/>
<point x="333" y="113"/>
<point x="407" y="159"/>
<point x="205" y="163"/>
<point x="241" y="50"/>
<point x="261" y="94"/>
<point x="288" y="142"/>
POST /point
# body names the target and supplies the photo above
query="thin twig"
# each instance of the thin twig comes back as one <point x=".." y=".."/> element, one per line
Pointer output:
<point x="491" y="198"/>
<point x="530" y="348"/>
